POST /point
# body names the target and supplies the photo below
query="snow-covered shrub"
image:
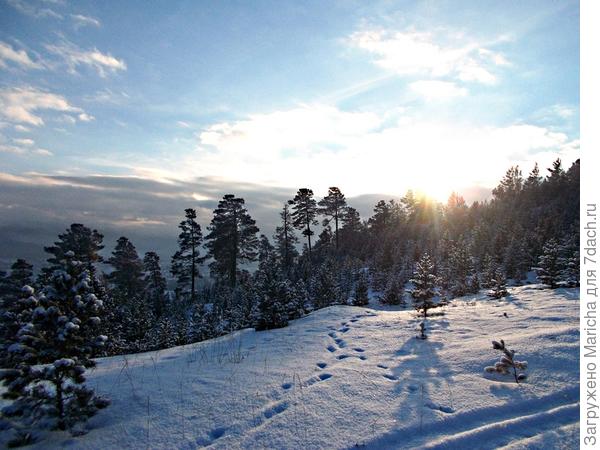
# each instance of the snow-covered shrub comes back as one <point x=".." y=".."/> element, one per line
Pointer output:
<point x="507" y="363"/>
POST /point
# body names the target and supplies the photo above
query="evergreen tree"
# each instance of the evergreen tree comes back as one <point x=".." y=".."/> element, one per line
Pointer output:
<point x="286" y="239"/>
<point x="333" y="207"/>
<point x="381" y="217"/>
<point x="394" y="292"/>
<point x="85" y="244"/>
<point x="498" y="285"/>
<point x="304" y="215"/>
<point x="185" y="263"/>
<point x="53" y="352"/>
<point x="232" y="238"/>
<point x="155" y="284"/>
<point x="424" y="281"/>
<point x="361" y="292"/>
<point x="551" y="264"/>
<point x="126" y="277"/>
<point x="460" y="268"/>
<point x="21" y="274"/>
<point x="324" y="287"/>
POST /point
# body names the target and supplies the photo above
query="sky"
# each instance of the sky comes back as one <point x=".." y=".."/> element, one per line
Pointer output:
<point x="121" y="114"/>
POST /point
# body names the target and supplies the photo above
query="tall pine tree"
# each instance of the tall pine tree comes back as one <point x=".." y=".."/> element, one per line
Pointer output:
<point x="232" y="238"/>
<point x="305" y="213"/>
<point x="286" y="239"/>
<point x="333" y="207"/>
<point x="185" y="263"/>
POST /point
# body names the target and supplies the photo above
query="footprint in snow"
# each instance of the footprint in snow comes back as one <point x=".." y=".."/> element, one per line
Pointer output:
<point x="390" y="377"/>
<point x="321" y="365"/>
<point x="331" y="348"/>
<point x="444" y="409"/>
<point x="358" y="349"/>
<point x="278" y="408"/>
<point x="286" y="386"/>
<point x="413" y="388"/>
<point x="332" y="335"/>
<point x="340" y="342"/>
<point x="382" y="366"/>
<point x="344" y="329"/>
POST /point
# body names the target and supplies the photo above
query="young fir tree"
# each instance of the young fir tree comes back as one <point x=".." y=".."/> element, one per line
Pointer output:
<point x="304" y="214"/>
<point x="155" y="285"/>
<point x="498" y="285"/>
<point x="14" y="314"/>
<point x="324" y="289"/>
<point x="185" y="263"/>
<point x="394" y="292"/>
<point x="361" y="291"/>
<point x="551" y="264"/>
<point x="232" y="238"/>
<point x="54" y="350"/>
<point x="424" y="281"/>
<point x="333" y="207"/>
<point x="274" y="293"/>
<point x="126" y="277"/>
<point x="460" y="268"/>
<point x="286" y="239"/>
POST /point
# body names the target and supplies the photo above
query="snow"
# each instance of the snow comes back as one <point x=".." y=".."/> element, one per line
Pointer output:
<point x="346" y="376"/>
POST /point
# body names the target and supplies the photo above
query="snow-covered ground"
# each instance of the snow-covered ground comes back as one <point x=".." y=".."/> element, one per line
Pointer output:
<point x="347" y="376"/>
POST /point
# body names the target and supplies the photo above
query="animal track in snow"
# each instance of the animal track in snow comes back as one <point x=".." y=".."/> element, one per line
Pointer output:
<point x="390" y="377"/>
<point x="359" y="350"/>
<point x="331" y="348"/>
<point x="278" y="408"/>
<point x="344" y="329"/>
<point x="444" y="409"/>
<point x="382" y="366"/>
<point x="321" y="365"/>
<point x="286" y="386"/>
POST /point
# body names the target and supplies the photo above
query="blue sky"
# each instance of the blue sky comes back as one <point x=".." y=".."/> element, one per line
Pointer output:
<point x="246" y="90"/>
<point x="375" y="97"/>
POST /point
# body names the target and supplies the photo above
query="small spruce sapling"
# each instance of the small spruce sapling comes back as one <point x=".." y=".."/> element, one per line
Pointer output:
<point x="507" y="363"/>
<point x="498" y="288"/>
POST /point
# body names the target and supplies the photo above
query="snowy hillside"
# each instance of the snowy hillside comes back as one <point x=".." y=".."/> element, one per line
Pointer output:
<point x="346" y="376"/>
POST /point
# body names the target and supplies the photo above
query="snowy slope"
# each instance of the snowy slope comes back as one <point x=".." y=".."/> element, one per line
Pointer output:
<point x="345" y="376"/>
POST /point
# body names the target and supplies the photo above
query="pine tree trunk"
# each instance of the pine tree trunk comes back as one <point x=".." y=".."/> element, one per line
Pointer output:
<point x="337" y="240"/>
<point x="59" y="403"/>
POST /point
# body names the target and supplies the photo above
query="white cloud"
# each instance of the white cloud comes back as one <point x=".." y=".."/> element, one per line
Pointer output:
<point x="31" y="10"/>
<point x="19" y="57"/>
<point x="319" y="146"/>
<point x="79" y="20"/>
<point x="22" y="105"/>
<point x="437" y="90"/>
<point x="424" y="54"/>
<point x="24" y="142"/>
<point x="23" y="147"/>
<point x="74" y="57"/>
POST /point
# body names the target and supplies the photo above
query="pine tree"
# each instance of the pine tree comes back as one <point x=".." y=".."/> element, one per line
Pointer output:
<point x="324" y="287"/>
<point x="498" y="285"/>
<point x="551" y="264"/>
<point x="14" y="314"/>
<point x="394" y="292"/>
<point x="460" y="268"/>
<point x="333" y="207"/>
<point x="185" y="263"/>
<point x="286" y="239"/>
<point x="304" y="215"/>
<point x="126" y="277"/>
<point x="85" y="244"/>
<point x="361" y="292"/>
<point x="232" y="238"/>
<point x="55" y="349"/>
<point x="381" y="217"/>
<point x="21" y="274"/>
<point x="424" y="281"/>
<point x="155" y="284"/>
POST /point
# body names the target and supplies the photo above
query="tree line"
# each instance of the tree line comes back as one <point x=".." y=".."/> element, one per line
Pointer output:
<point x="74" y="311"/>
